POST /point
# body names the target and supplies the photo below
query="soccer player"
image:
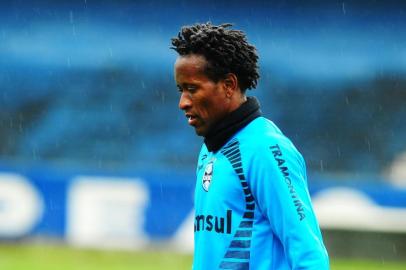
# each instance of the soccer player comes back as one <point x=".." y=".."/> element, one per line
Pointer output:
<point x="252" y="205"/>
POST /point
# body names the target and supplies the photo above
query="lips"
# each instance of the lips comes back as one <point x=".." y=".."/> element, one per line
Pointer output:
<point x="192" y="119"/>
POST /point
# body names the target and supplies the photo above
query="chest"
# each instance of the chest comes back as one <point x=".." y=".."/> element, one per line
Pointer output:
<point x="218" y="186"/>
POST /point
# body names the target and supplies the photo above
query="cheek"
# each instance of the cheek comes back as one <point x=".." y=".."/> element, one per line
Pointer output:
<point x="203" y="107"/>
<point x="211" y="104"/>
<point x="212" y="109"/>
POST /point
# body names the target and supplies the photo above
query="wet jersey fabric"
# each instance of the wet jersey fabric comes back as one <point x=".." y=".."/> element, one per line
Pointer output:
<point x="252" y="206"/>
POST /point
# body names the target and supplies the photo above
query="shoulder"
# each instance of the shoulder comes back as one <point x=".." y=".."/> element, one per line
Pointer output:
<point x="263" y="139"/>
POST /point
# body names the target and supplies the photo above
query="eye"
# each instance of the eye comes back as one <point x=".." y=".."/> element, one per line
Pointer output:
<point x="191" y="88"/>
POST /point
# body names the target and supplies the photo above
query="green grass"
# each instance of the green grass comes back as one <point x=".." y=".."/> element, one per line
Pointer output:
<point x="59" y="257"/>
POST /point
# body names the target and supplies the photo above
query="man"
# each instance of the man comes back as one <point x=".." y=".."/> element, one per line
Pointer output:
<point x="253" y="209"/>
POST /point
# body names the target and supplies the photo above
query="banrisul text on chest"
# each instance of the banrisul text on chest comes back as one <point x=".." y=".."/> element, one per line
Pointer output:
<point x="214" y="223"/>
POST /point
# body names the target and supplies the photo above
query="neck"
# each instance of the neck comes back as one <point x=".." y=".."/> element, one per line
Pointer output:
<point x="235" y="121"/>
<point x="237" y="101"/>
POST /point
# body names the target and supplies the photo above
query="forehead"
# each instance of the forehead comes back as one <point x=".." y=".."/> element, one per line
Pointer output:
<point x="189" y="65"/>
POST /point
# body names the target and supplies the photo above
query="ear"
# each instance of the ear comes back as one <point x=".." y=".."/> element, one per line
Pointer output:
<point x="231" y="84"/>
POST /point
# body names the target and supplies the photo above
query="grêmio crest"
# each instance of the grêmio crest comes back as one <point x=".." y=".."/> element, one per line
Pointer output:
<point x="207" y="176"/>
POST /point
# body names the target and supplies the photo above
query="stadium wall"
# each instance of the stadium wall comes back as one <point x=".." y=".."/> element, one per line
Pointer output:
<point x="137" y="210"/>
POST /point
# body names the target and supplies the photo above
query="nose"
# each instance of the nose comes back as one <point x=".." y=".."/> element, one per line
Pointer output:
<point x="185" y="101"/>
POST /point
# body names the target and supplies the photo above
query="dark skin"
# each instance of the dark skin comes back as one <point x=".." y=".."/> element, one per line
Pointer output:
<point x="204" y="101"/>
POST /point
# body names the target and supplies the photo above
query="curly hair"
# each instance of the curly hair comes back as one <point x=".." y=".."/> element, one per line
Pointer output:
<point x="226" y="51"/>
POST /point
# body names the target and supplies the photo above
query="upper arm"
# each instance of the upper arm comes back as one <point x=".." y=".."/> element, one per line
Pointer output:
<point x="277" y="178"/>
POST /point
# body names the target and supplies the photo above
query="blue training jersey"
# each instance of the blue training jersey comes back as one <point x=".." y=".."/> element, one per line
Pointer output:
<point x="252" y="205"/>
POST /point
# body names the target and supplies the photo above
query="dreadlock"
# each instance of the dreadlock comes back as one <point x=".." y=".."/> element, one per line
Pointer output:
<point x="226" y="51"/>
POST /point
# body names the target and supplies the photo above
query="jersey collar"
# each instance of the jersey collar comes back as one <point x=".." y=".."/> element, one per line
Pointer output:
<point x="235" y="121"/>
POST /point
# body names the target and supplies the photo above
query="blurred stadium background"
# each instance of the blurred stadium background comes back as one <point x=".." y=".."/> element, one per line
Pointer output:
<point x="94" y="153"/>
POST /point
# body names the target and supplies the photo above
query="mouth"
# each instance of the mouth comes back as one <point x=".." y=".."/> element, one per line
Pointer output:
<point x="192" y="119"/>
